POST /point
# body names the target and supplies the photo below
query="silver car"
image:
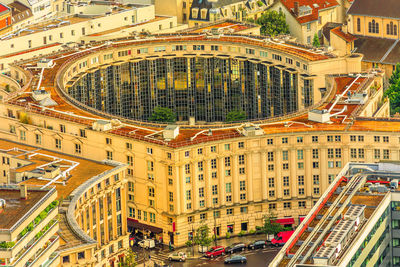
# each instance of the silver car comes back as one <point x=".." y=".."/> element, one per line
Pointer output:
<point x="177" y="256"/>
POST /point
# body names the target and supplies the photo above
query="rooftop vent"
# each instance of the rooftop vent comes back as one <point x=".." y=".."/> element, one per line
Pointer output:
<point x="252" y="131"/>
<point x="101" y="125"/>
<point x="170" y="132"/>
<point x="39" y="95"/>
<point x="45" y="63"/>
<point x="322" y="116"/>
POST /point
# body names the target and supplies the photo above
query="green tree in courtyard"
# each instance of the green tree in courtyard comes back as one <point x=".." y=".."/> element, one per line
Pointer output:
<point x="235" y="115"/>
<point x="130" y="259"/>
<point x="393" y="92"/>
<point x="161" y="114"/>
<point x="273" y="23"/>
<point x="315" y="41"/>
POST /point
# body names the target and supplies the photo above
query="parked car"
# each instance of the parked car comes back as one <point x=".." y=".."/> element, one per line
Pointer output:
<point x="235" y="248"/>
<point x="236" y="259"/>
<point x="257" y="244"/>
<point x="177" y="256"/>
<point x="281" y="238"/>
<point x="147" y="243"/>
<point x="215" y="251"/>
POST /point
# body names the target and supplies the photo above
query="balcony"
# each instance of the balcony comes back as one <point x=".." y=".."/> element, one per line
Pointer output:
<point x="30" y="250"/>
<point x="23" y="240"/>
<point x="44" y="253"/>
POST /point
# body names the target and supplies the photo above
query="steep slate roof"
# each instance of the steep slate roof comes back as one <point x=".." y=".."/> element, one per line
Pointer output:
<point x="200" y="4"/>
<point x="315" y="5"/>
<point x="326" y="30"/>
<point x="376" y="8"/>
<point x="378" y="50"/>
<point x="19" y="11"/>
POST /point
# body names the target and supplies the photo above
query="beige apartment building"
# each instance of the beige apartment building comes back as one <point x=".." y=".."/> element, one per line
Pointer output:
<point x="305" y="18"/>
<point x="233" y="174"/>
<point x="90" y="226"/>
<point x="28" y="226"/>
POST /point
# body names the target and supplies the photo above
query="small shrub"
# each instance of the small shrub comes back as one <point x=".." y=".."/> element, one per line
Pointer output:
<point x="7" y="88"/>
<point x="228" y="235"/>
<point x="189" y="243"/>
<point x="252" y="231"/>
<point x="242" y="233"/>
<point x="30" y="227"/>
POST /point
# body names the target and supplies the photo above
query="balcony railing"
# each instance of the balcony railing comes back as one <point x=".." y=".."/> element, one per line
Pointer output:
<point x="44" y="250"/>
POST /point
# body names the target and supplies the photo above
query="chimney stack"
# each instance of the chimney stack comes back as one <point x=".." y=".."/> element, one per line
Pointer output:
<point x="23" y="191"/>
<point x="296" y="8"/>
<point x="345" y="28"/>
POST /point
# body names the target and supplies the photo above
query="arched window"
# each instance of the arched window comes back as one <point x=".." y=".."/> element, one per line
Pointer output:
<point x="358" y="24"/>
<point x="395" y="30"/>
<point x="376" y="27"/>
<point x="369" y="27"/>
<point x="387" y="29"/>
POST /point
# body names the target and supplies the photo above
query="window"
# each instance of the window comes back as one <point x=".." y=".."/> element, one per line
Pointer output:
<point x="330" y="153"/>
<point x="316" y="179"/>
<point x="81" y="255"/>
<point x="353" y="153"/>
<point x="214" y="189"/>
<point x="214" y="175"/>
<point x="286" y="181"/>
<point x="227" y="172"/>
<point x="286" y="192"/>
<point x="171" y="196"/>
<point x="315" y="154"/>
<point x="228" y="198"/>
<point x="200" y="151"/>
<point x="385" y="139"/>
<point x="302" y="204"/>
<point x="200" y="166"/>
<point x="228" y="187"/>
<point x="287" y="205"/>
<point x="242" y="170"/>
<point x="330" y="178"/>
<point x="227" y="146"/>
<point x="270" y="141"/>
<point x="58" y="143"/>
<point x="187" y="154"/>
<point x="338" y="138"/>
<point x="377" y="154"/>
<point x="338" y="153"/>
<point x="386" y="154"/>
<point x="352" y="138"/>
<point x="229" y="211"/>
<point x="149" y="151"/>
<point x="315" y="165"/>
<point x="201" y="177"/>
<point x="271" y="182"/>
<point x="373" y="27"/>
<point x="78" y="148"/>
<point x="22" y="135"/>
<point x="243" y="196"/>
<point x="241" y="159"/>
<point x="329" y="138"/>
<point x="188" y="179"/>
<point x="358" y="24"/>
<point x="201" y="192"/>
<point x="243" y="209"/>
<point x="65" y="259"/>
<point x="284" y="140"/>
<point x="213" y="164"/>
<point x="203" y="216"/>
<point x="361" y="153"/>
<point x="38" y="138"/>
<point x="300" y="179"/>
<point x="214" y="48"/>
<point x="227" y="161"/>
<point x="241" y="145"/>
<point x="314" y="139"/>
<point x="301" y="191"/>
<point x="188" y="195"/>
<point x="271" y="193"/>
<point x="285" y="155"/>
<point x="250" y="51"/>
<point x="316" y="191"/>
<point x="150" y="165"/>
<point x="299" y="139"/>
<point x="272" y="206"/>
<point x="270" y="167"/>
<point x="285" y="166"/>
<point x="360" y="138"/>
<point x="242" y="185"/>
<point x="270" y="156"/>
<point x="299" y="154"/>
<point x="198" y="47"/>
<point x="190" y="219"/>
<point x="169" y="155"/>
<point x="300" y="165"/>
<point x="213" y="149"/>
<point x="187" y="168"/>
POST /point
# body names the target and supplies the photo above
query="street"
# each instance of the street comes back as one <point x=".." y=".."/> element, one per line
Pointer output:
<point x="260" y="257"/>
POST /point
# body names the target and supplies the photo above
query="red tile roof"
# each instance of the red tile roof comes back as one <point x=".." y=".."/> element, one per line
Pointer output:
<point x="3" y="8"/>
<point x="345" y="36"/>
<point x="315" y="5"/>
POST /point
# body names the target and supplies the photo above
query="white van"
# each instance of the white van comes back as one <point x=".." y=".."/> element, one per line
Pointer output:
<point x="147" y="243"/>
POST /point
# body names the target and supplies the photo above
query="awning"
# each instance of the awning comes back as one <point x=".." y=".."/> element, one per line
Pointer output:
<point x="301" y="218"/>
<point x="284" y="221"/>
<point x="141" y="226"/>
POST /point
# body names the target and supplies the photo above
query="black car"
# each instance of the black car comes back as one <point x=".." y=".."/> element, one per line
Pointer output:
<point x="235" y="248"/>
<point x="257" y="244"/>
<point x="236" y="259"/>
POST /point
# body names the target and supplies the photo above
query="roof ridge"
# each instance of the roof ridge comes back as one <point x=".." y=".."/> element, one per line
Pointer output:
<point x="389" y="51"/>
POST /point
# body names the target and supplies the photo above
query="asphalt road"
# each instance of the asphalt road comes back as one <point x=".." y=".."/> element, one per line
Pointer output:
<point x="255" y="258"/>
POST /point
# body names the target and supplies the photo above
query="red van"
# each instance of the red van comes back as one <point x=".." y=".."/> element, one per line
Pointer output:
<point x="281" y="238"/>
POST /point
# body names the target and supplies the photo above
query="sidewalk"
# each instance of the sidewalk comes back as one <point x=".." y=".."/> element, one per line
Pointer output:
<point x="222" y="242"/>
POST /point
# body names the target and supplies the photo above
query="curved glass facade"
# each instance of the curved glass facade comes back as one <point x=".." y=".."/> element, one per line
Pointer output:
<point x="207" y="88"/>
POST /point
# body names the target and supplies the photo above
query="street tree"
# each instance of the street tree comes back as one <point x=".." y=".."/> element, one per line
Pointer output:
<point x="273" y="23"/>
<point x="202" y="236"/>
<point x="270" y="226"/>
<point x="161" y="114"/>
<point x="130" y="259"/>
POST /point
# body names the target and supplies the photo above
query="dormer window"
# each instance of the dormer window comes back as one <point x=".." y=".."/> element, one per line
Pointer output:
<point x="203" y="13"/>
<point x="195" y="12"/>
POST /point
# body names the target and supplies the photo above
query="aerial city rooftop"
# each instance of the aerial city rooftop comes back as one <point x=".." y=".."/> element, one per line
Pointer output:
<point x="127" y="124"/>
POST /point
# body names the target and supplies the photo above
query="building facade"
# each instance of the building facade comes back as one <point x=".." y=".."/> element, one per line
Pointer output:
<point x="29" y="225"/>
<point x="5" y="19"/>
<point x="305" y="18"/>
